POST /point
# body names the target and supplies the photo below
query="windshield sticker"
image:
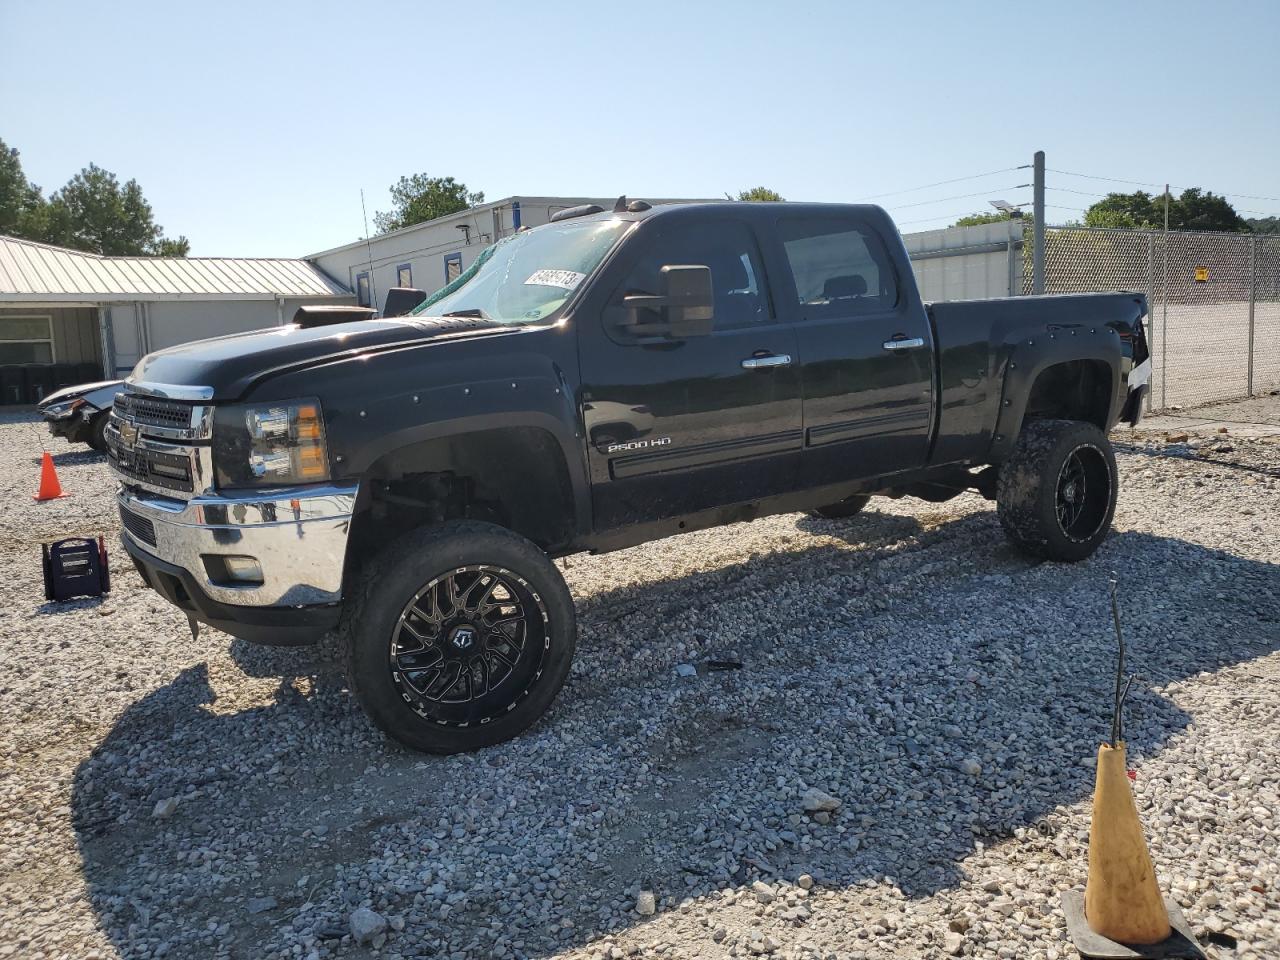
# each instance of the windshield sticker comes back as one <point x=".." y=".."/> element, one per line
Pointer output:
<point x="565" y="279"/>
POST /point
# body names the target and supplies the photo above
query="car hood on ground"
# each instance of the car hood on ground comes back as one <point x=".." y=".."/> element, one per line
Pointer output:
<point x="107" y="388"/>
<point x="232" y="364"/>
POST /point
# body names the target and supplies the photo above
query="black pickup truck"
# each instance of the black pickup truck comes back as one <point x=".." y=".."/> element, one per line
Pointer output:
<point x="604" y="380"/>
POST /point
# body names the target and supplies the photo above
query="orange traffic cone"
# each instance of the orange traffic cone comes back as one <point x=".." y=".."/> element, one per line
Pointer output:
<point x="50" y="488"/>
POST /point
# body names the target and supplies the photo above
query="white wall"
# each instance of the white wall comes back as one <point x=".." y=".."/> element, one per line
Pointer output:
<point x="139" y="328"/>
<point x="173" y="322"/>
<point x="967" y="263"/>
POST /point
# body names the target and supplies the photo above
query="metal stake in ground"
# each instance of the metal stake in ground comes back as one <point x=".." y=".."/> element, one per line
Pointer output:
<point x="1121" y="912"/>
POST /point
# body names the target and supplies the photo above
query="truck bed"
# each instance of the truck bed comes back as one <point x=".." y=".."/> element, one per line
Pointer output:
<point x="979" y="343"/>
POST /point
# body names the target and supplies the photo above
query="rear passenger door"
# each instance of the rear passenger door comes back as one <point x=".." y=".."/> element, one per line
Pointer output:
<point x="865" y="347"/>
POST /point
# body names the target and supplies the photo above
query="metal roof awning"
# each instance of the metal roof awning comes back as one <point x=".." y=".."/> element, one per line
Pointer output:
<point x="38" y="272"/>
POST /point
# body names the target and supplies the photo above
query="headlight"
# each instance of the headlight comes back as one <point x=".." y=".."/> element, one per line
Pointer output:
<point x="270" y="444"/>
<point x="63" y="409"/>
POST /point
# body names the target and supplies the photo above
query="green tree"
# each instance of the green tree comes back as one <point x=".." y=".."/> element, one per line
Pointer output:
<point x="420" y="198"/>
<point x="995" y="216"/>
<point x="761" y="194"/>
<point x="1264" y="224"/>
<point x="1193" y="209"/>
<point x="181" y="247"/>
<point x="93" y="212"/>
<point x="1137" y="210"/>
<point x="22" y="208"/>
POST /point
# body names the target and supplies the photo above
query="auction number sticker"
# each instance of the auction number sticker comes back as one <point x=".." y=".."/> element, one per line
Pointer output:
<point x="565" y="279"/>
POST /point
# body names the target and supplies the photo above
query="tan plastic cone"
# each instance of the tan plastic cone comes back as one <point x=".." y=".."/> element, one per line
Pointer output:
<point x="1122" y="901"/>
<point x="50" y="488"/>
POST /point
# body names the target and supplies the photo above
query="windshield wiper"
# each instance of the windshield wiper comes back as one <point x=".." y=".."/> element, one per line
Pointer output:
<point x="469" y="312"/>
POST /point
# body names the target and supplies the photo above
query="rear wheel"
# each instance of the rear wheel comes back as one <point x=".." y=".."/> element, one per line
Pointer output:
<point x="848" y="507"/>
<point x="1056" y="494"/>
<point x="460" y="636"/>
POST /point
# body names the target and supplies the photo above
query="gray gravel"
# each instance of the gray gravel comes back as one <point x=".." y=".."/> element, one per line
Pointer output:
<point x="901" y="767"/>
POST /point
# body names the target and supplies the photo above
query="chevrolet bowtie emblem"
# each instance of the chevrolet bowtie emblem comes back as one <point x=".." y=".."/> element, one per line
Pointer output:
<point x="128" y="434"/>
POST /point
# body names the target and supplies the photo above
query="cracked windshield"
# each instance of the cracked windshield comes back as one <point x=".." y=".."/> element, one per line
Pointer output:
<point x="526" y="278"/>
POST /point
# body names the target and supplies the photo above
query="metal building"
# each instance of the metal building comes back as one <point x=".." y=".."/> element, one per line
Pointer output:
<point x="428" y="255"/>
<point x="68" y="317"/>
<point x="968" y="263"/>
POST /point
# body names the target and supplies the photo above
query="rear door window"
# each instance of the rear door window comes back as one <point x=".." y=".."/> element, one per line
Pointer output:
<point x="840" y="266"/>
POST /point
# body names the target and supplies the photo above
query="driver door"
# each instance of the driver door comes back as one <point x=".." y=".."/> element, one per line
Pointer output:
<point x="675" y="426"/>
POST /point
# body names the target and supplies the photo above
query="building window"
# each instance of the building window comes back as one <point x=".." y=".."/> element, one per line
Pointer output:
<point x="404" y="275"/>
<point x="452" y="267"/>
<point x="26" y="340"/>
<point x="363" y="296"/>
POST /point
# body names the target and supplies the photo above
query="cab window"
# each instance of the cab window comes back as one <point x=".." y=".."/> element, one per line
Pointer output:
<point x="728" y="248"/>
<point x="840" y="266"/>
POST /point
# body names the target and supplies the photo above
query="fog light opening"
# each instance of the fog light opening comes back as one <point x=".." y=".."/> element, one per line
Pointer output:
<point x="233" y="571"/>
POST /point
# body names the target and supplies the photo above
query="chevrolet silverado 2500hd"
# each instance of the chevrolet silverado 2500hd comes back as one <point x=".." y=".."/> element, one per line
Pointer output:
<point x="606" y="379"/>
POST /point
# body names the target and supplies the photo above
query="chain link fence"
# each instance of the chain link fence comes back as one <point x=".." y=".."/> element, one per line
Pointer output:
<point x="1214" y="325"/>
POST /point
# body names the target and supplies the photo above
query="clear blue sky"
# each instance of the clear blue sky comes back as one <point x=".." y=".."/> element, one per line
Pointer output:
<point x="253" y="126"/>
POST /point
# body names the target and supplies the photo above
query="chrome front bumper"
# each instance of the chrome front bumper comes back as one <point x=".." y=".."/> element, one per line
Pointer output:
<point x="298" y="535"/>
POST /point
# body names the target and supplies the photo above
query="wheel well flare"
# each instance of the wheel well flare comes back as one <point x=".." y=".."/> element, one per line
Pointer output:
<point x="1075" y="390"/>
<point x="515" y="477"/>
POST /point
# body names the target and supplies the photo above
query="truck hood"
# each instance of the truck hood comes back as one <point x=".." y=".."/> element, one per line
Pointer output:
<point x="231" y="365"/>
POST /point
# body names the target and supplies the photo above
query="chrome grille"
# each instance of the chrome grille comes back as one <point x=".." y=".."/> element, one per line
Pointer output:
<point x="154" y="411"/>
<point x="141" y="528"/>
<point x="170" y="471"/>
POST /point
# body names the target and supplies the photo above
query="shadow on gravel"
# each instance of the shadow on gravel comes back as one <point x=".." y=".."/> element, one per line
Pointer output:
<point x="869" y="673"/>
<point x="73" y="458"/>
<point x="53" y="608"/>
<point x="869" y="526"/>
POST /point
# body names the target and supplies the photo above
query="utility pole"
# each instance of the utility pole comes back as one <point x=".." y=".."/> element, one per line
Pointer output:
<point x="1037" y="224"/>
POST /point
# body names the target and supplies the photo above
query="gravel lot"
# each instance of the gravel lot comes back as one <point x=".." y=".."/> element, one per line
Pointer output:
<point x="163" y="796"/>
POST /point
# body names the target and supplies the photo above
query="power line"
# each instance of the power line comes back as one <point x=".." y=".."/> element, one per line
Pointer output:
<point x="940" y="183"/>
<point x="958" y="196"/>
<point x="1090" y="176"/>
<point x="1083" y="193"/>
<point x="1146" y="183"/>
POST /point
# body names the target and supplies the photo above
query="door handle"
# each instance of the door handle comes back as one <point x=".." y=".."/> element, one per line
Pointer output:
<point x="772" y="360"/>
<point x="904" y="343"/>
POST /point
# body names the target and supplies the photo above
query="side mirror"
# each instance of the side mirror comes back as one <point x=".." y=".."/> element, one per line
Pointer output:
<point x="401" y="300"/>
<point x="685" y="305"/>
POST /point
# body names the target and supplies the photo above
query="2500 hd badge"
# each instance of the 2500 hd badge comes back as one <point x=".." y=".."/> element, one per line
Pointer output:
<point x="638" y="445"/>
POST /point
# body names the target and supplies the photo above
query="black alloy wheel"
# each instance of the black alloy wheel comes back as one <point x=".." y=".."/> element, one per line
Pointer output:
<point x="469" y="646"/>
<point x="457" y="636"/>
<point x="1056" y="493"/>
<point x="1083" y="497"/>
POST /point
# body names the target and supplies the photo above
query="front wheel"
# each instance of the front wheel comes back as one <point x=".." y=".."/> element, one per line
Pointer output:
<point x="1056" y="494"/>
<point x="459" y="637"/>
<point x="98" y="432"/>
